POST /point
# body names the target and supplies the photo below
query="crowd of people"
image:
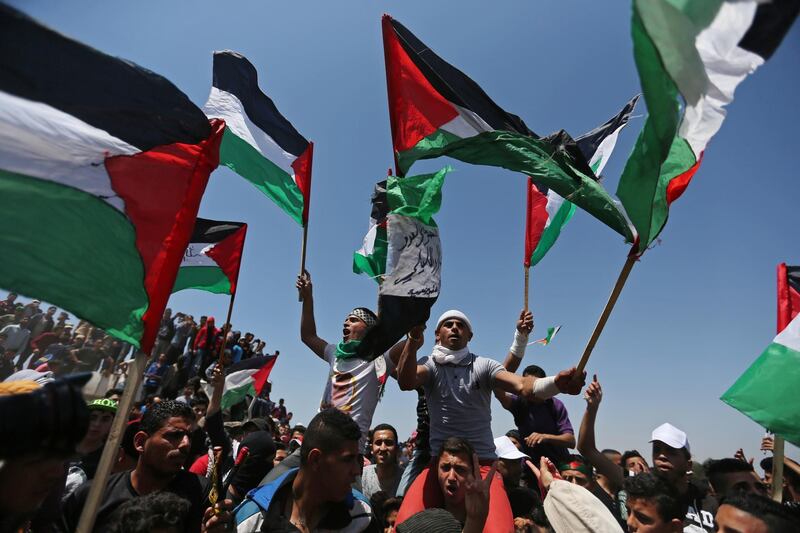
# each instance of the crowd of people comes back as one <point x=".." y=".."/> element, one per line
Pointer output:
<point x="185" y="463"/>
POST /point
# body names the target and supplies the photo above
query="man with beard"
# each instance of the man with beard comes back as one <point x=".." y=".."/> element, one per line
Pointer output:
<point x="385" y="474"/>
<point x="163" y="443"/>
<point x="458" y="388"/>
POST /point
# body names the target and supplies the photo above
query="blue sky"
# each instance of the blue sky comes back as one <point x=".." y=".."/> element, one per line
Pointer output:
<point x="696" y="311"/>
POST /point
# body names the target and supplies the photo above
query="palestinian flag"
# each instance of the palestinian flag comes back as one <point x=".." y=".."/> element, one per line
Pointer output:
<point x="212" y="259"/>
<point x="691" y="56"/>
<point x="547" y="212"/>
<point x="402" y="252"/>
<point x="551" y="332"/>
<point x="259" y="143"/>
<point x="246" y="377"/>
<point x="436" y="110"/>
<point x="788" y="294"/>
<point x="767" y="391"/>
<point x="116" y="157"/>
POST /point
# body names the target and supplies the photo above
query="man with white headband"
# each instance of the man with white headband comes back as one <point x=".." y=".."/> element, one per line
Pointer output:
<point x="354" y="383"/>
<point x="458" y="386"/>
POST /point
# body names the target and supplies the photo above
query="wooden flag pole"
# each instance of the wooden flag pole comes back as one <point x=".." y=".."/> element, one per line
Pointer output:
<point x="225" y="329"/>
<point x="777" y="469"/>
<point x="303" y="256"/>
<point x="111" y="448"/>
<point x="527" y="284"/>
<point x="612" y="300"/>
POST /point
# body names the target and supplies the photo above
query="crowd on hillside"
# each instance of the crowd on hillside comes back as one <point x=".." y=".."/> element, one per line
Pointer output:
<point x="185" y="463"/>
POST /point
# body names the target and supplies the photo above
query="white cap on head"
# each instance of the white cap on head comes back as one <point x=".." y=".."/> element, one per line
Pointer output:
<point x="671" y="436"/>
<point x="505" y="449"/>
<point x="454" y="313"/>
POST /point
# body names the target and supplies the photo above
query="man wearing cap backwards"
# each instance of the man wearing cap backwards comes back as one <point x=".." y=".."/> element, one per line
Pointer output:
<point x="354" y="384"/>
<point x="672" y="461"/>
<point x="458" y="388"/>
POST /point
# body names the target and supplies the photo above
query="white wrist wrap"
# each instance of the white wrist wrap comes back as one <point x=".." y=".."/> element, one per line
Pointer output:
<point x="519" y="345"/>
<point x="544" y="388"/>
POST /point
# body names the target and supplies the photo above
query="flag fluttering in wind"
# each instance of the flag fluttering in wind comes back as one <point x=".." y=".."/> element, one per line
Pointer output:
<point x="436" y="110"/>
<point x="551" y="332"/>
<point x="212" y="259"/>
<point x="117" y="157"/>
<point x="547" y="212"/>
<point x="767" y="391"/>
<point x="259" y="143"/>
<point x="691" y="56"/>
<point x="788" y="294"/>
<point x="245" y="378"/>
<point x="402" y="251"/>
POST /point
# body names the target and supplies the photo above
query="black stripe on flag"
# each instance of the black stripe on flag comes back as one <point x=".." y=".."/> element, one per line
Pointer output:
<point x="250" y="364"/>
<point x="770" y="25"/>
<point x="234" y="74"/>
<point x="380" y="203"/>
<point x="129" y="102"/>
<point x="793" y="277"/>
<point x="455" y="86"/>
<point x="589" y="142"/>
<point x="210" y="231"/>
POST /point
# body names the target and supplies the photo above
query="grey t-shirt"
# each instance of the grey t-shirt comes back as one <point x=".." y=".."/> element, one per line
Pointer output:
<point x="459" y="402"/>
<point x="370" y="484"/>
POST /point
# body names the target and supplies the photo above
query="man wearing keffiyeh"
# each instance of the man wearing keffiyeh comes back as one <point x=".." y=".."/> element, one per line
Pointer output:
<point x="354" y="383"/>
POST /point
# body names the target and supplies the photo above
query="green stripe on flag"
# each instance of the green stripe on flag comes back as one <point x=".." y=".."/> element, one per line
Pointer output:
<point x="204" y="278"/>
<point x="552" y="231"/>
<point x="418" y="197"/>
<point x="233" y="396"/>
<point x="374" y="264"/>
<point x="238" y="155"/>
<point x="100" y="254"/>
<point x="767" y="392"/>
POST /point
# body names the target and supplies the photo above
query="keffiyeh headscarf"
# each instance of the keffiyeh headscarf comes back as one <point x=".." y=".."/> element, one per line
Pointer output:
<point x="364" y="315"/>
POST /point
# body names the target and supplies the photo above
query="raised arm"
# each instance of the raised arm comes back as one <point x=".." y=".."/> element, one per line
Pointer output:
<point x="517" y="350"/>
<point x="308" y="326"/>
<point x="567" y="381"/>
<point x="410" y="375"/>
<point x="586" y="441"/>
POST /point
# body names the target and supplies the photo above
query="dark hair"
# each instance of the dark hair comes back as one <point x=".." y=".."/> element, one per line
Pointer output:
<point x="514" y="434"/>
<point x="299" y="427"/>
<point x="328" y="431"/>
<point x="198" y="400"/>
<point x="610" y="450"/>
<point x="716" y="470"/>
<point x="384" y="427"/>
<point x="627" y="455"/>
<point x="777" y="517"/>
<point x="533" y="370"/>
<point x="155" y="417"/>
<point x="280" y="446"/>
<point x="158" y="510"/>
<point x="668" y="502"/>
<point x="110" y="392"/>
<point x="455" y="445"/>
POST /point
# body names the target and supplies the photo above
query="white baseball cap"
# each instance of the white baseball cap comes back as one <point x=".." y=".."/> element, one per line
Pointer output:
<point x="505" y="449"/>
<point x="671" y="436"/>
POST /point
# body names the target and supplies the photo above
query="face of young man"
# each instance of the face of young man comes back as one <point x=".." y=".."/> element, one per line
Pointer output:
<point x="336" y="470"/>
<point x="741" y="483"/>
<point x="454" y="470"/>
<point x="353" y="329"/>
<point x="200" y="410"/>
<point x="99" y="425"/>
<point x="280" y="455"/>
<point x="576" y="477"/>
<point x="453" y="334"/>
<point x="384" y="447"/>
<point x="732" y="520"/>
<point x="643" y="517"/>
<point x="511" y="470"/>
<point x="671" y="463"/>
<point x="636" y="464"/>
<point x="165" y="451"/>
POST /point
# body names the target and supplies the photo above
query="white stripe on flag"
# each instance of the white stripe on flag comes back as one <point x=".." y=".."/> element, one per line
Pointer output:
<point x="790" y="336"/>
<point x="466" y="124"/>
<point x="227" y="106"/>
<point x="195" y="255"/>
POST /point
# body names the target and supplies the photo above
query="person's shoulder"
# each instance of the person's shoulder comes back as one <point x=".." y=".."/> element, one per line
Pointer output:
<point x="189" y="481"/>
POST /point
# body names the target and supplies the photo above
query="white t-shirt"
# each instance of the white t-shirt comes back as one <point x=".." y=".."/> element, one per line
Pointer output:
<point x="353" y="385"/>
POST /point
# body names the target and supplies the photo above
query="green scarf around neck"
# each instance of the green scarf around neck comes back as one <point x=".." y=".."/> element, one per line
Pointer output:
<point x="347" y="350"/>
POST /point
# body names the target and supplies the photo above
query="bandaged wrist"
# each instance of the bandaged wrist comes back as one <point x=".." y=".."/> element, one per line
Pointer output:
<point x="519" y="345"/>
<point x="544" y="388"/>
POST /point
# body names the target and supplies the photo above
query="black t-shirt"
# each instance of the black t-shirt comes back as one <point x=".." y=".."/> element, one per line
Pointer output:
<point x="702" y="509"/>
<point x="119" y="490"/>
